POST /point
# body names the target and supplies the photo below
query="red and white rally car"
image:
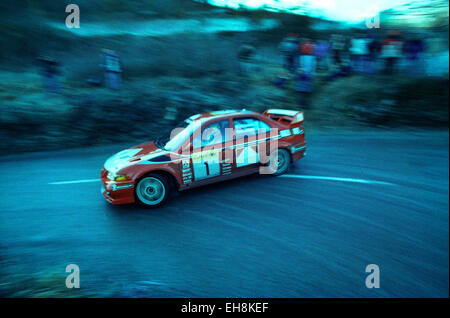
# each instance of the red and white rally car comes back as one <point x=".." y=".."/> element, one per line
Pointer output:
<point x="209" y="148"/>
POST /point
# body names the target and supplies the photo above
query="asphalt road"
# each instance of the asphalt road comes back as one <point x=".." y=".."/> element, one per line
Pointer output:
<point x="257" y="236"/>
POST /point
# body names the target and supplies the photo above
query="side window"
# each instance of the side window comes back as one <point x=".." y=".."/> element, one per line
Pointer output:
<point x="249" y="127"/>
<point x="212" y="134"/>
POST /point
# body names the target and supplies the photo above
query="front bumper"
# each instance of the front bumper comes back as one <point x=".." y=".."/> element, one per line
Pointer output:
<point x="116" y="192"/>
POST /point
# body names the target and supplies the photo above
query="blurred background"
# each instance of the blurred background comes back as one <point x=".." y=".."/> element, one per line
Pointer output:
<point x="132" y="63"/>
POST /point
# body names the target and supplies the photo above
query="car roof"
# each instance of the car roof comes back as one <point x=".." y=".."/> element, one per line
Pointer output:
<point x="218" y="114"/>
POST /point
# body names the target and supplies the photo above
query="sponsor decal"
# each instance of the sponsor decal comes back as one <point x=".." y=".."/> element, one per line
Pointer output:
<point x="226" y="168"/>
<point x="206" y="164"/>
<point x="205" y="155"/>
<point x="186" y="171"/>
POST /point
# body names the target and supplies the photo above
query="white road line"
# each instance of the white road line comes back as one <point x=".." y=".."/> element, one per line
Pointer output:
<point x="294" y="176"/>
<point x="75" y="181"/>
<point x="334" y="179"/>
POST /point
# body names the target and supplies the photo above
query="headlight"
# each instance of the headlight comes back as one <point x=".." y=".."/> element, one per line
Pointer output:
<point x="120" y="177"/>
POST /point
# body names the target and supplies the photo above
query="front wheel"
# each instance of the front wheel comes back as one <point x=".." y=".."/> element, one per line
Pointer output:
<point x="279" y="161"/>
<point x="153" y="190"/>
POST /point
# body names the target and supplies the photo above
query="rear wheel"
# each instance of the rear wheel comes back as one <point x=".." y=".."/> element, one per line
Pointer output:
<point x="279" y="161"/>
<point x="153" y="190"/>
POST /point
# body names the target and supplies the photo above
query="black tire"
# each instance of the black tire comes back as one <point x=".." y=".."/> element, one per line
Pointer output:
<point x="284" y="161"/>
<point x="153" y="190"/>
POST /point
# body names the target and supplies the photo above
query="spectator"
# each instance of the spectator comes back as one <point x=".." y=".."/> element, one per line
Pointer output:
<point x="374" y="49"/>
<point x="322" y="50"/>
<point x="308" y="67"/>
<point x="288" y="48"/>
<point x="338" y="47"/>
<point x="436" y="60"/>
<point x="307" y="57"/>
<point x="111" y="64"/>
<point x="359" y="53"/>
<point x="412" y="49"/>
<point x="391" y="52"/>
<point x="49" y="72"/>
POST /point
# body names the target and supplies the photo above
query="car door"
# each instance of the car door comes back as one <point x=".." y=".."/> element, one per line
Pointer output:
<point x="209" y="156"/>
<point x="251" y="139"/>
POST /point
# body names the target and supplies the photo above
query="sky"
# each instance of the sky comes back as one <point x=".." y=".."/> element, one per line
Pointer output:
<point x="339" y="10"/>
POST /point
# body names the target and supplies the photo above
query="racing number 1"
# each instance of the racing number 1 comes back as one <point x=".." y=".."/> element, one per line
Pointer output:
<point x="207" y="167"/>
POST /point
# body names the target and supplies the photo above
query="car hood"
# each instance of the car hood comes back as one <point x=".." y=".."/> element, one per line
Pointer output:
<point x="135" y="155"/>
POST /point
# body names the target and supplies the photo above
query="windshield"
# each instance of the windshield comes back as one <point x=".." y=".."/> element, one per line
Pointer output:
<point x="173" y="140"/>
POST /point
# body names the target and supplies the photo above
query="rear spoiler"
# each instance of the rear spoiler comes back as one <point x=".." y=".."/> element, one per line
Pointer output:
<point x="285" y="116"/>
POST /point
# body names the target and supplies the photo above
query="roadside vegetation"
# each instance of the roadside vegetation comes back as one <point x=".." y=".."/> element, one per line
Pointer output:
<point x="169" y="77"/>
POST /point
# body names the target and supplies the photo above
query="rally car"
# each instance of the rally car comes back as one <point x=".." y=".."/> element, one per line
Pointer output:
<point x="209" y="148"/>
